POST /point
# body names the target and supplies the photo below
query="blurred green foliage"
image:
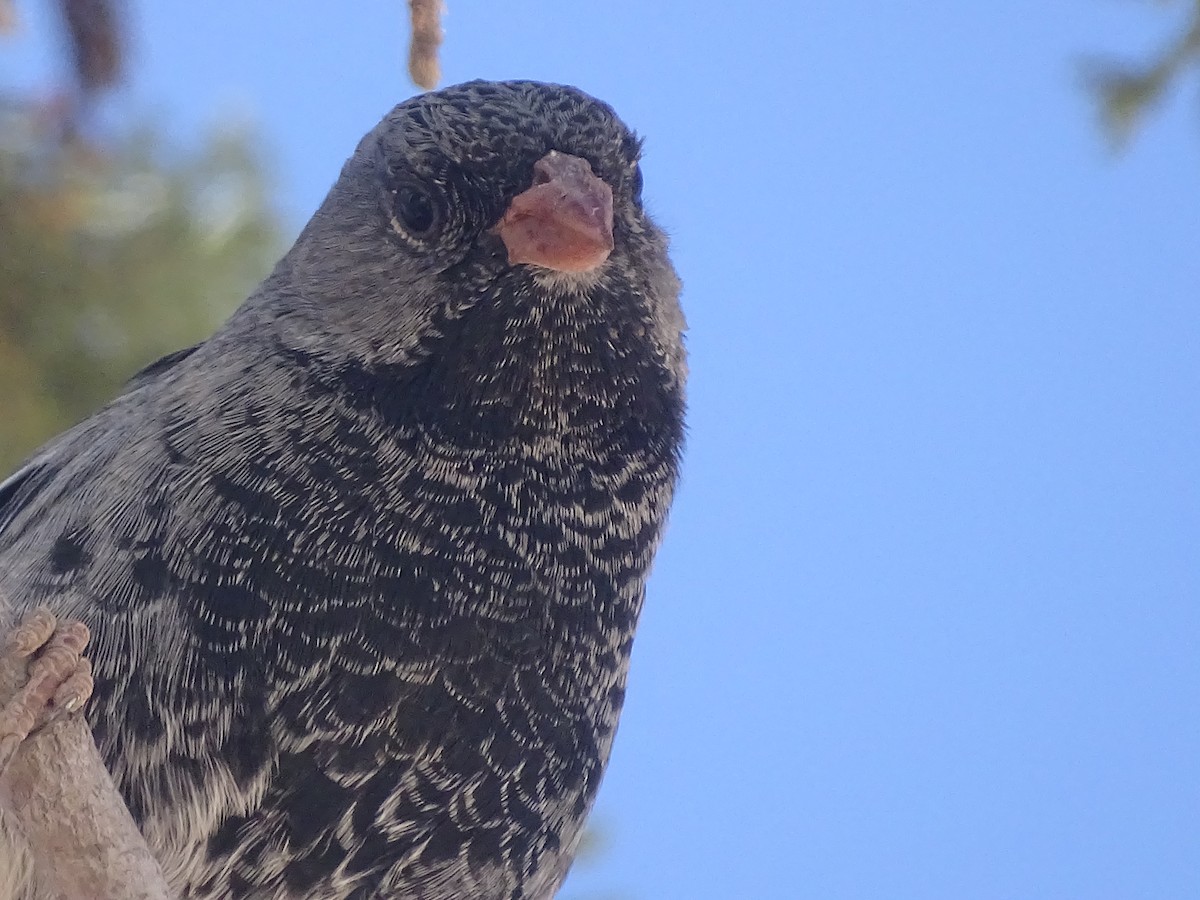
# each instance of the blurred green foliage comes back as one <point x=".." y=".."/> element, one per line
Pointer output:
<point x="1127" y="92"/>
<point x="111" y="256"/>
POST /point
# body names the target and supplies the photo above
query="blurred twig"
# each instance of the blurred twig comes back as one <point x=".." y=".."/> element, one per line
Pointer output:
<point x="96" y="34"/>
<point x="1125" y="93"/>
<point x="426" y="17"/>
<point x="8" y="17"/>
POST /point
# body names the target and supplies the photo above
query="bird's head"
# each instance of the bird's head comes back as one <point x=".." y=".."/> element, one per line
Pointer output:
<point x="520" y="198"/>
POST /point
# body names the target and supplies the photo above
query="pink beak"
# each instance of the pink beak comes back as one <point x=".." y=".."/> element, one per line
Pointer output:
<point x="564" y="221"/>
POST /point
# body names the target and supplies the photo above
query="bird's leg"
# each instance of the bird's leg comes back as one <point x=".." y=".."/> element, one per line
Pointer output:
<point x="48" y="657"/>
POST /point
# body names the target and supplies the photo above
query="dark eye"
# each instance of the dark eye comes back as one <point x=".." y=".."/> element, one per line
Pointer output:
<point x="635" y="183"/>
<point x="415" y="210"/>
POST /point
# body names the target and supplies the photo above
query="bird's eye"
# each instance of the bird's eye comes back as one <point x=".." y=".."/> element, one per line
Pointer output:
<point x="635" y="183"/>
<point x="415" y="210"/>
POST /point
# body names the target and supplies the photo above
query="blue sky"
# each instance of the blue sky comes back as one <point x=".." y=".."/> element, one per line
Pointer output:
<point x="927" y="620"/>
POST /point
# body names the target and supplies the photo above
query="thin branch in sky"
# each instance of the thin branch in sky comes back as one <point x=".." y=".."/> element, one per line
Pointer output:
<point x="426" y="38"/>
<point x="95" y="32"/>
<point x="1126" y="93"/>
<point x="8" y="17"/>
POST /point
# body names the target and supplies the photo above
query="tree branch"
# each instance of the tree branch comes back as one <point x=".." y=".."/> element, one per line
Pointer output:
<point x="426" y="17"/>
<point x="58" y="794"/>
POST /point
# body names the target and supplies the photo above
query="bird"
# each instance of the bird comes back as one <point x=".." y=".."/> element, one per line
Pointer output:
<point x="363" y="568"/>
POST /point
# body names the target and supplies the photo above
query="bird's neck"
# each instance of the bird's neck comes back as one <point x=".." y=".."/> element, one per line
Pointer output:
<point x="504" y="375"/>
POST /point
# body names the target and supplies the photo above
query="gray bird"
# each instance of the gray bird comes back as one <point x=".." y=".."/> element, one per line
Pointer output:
<point x="363" y="568"/>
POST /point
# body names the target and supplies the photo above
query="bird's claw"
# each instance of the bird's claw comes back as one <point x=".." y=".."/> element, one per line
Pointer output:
<point x="58" y="677"/>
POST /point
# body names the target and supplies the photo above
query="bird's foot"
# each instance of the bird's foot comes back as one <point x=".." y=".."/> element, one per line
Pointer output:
<point x="57" y="677"/>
